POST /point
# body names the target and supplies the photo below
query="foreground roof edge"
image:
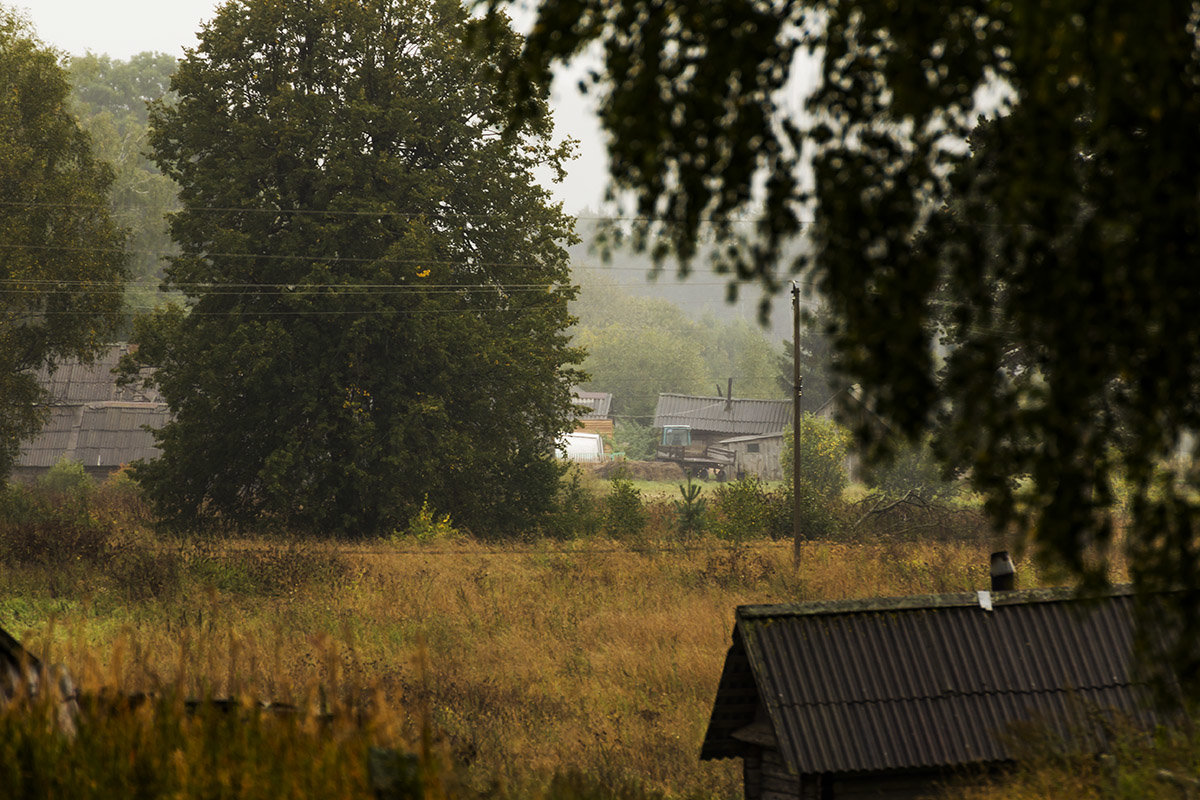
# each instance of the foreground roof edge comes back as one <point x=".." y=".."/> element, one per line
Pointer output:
<point x="913" y="602"/>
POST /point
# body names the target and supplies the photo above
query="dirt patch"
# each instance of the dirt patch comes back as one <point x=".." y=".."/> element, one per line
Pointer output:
<point x="642" y="470"/>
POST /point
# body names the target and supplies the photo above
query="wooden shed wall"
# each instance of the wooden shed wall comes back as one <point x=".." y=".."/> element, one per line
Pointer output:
<point x="766" y="777"/>
<point x="604" y="427"/>
<point x="764" y="463"/>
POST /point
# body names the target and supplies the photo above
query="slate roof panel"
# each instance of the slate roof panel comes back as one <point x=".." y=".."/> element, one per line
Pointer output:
<point x="928" y="682"/>
<point x="104" y="435"/>
<point x="738" y="417"/>
<point x="600" y="404"/>
<point x="111" y="436"/>
<point x="73" y="383"/>
<point x="47" y="447"/>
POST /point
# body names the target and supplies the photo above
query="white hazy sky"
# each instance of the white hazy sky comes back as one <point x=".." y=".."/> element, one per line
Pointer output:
<point x="121" y="28"/>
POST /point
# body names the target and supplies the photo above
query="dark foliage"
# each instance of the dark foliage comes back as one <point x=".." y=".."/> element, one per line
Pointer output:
<point x="62" y="259"/>
<point x="1066" y="235"/>
<point x="377" y="289"/>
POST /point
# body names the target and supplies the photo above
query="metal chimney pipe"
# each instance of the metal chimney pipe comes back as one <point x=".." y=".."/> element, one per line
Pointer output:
<point x="1004" y="575"/>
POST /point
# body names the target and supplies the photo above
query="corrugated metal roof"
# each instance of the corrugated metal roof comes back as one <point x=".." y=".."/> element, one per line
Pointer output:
<point x="737" y="417"/>
<point x="73" y="383"/>
<point x="91" y="419"/>
<point x="96" y="434"/>
<point x="600" y="404"/>
<point x="930" y="682"/>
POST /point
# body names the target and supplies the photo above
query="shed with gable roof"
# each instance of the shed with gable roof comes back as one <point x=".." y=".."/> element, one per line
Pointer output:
<point x="889" y="698"/>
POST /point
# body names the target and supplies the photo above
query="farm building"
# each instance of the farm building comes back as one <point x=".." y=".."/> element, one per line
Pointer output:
<point x="757" y="455"/>
<point x="890" y="698"/>
<point x="92" y="420"/>
<point x="709" y="421"/>
<point x="598" y="418"/>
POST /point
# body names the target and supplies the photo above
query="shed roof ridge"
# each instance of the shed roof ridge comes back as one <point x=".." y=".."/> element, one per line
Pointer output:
<point x="918" y="602"/>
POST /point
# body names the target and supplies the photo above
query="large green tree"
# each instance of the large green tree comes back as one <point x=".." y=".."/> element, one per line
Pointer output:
<point x="1071" y="236"/>
<point x="377" y="285"/>
<point x="61" y="256"/>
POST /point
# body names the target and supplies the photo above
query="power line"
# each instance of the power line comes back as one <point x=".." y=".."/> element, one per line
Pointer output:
<point x="316" y="313"/>
<point x="466" y="262"/>
<point x="296" y="291"/>
<point x="380" y="260"/>
<point x="436" y="214"/>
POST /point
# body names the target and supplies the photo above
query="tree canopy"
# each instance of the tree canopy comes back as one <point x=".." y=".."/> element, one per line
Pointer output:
<point x="61" y="255"/>
<point x="1068" y="232"/>
<point x="377" y="287"/>
<point x="109" y="97"/>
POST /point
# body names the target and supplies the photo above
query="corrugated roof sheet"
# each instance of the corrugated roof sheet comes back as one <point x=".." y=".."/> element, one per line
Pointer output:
<point x="73" y="383"/>
<point x="97" y="434"/>
<point x="737" y="417"/>
<point x="600" y="404"/>
<point x="91" y="419"/>
<point x="919" y="683"/>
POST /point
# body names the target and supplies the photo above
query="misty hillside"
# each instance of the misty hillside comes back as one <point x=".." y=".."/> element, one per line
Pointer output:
<point x="701" y="294"/>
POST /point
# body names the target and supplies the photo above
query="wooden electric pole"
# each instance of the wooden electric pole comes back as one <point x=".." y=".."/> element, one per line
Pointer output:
<point x="797" y="392"/>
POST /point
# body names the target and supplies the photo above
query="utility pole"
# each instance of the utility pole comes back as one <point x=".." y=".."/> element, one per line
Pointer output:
<point x="797" y="392"/>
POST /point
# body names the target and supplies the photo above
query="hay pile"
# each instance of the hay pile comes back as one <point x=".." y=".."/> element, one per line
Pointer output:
<point x="642" y="470"/>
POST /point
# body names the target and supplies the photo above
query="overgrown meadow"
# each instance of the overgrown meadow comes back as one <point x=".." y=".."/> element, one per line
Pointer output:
<point x="429" y="664"/>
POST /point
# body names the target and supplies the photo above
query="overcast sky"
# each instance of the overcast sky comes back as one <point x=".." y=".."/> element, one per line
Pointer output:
<point x="122" y="28"/>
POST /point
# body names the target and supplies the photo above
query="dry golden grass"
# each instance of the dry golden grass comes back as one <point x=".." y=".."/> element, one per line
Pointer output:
<point x="586" y="655"/>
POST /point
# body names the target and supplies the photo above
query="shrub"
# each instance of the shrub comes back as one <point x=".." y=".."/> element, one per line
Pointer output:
<point x="121" y="495"/>
<point x="38" y="528"/>
<point x="575" y="512"/>
<point x="820" y="514"/>
<point x="912" y="468"/>
<point x="824" y="445"/>
<point x="742" y="510"/>
<point x="427" y="525"/>
<point x="624" y="511"/>
<point x="67" y="477"/>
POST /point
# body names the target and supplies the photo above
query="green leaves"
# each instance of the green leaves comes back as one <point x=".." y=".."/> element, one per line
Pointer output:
<point x="1059" y="253"/>
<point x="61" y="255"/>
<point x="377" y="286"/>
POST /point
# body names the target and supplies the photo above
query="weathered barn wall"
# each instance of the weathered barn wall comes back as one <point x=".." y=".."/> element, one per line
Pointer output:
<point x="757" y="455"/>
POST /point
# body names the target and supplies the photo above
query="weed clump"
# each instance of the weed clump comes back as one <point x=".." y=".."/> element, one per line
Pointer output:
<point x="624" y="512"/>
<point x="427" y="525"/>
<point x="266" y="569"/>
<point x="49" y="529"/>
<point x="576" y="512"/>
